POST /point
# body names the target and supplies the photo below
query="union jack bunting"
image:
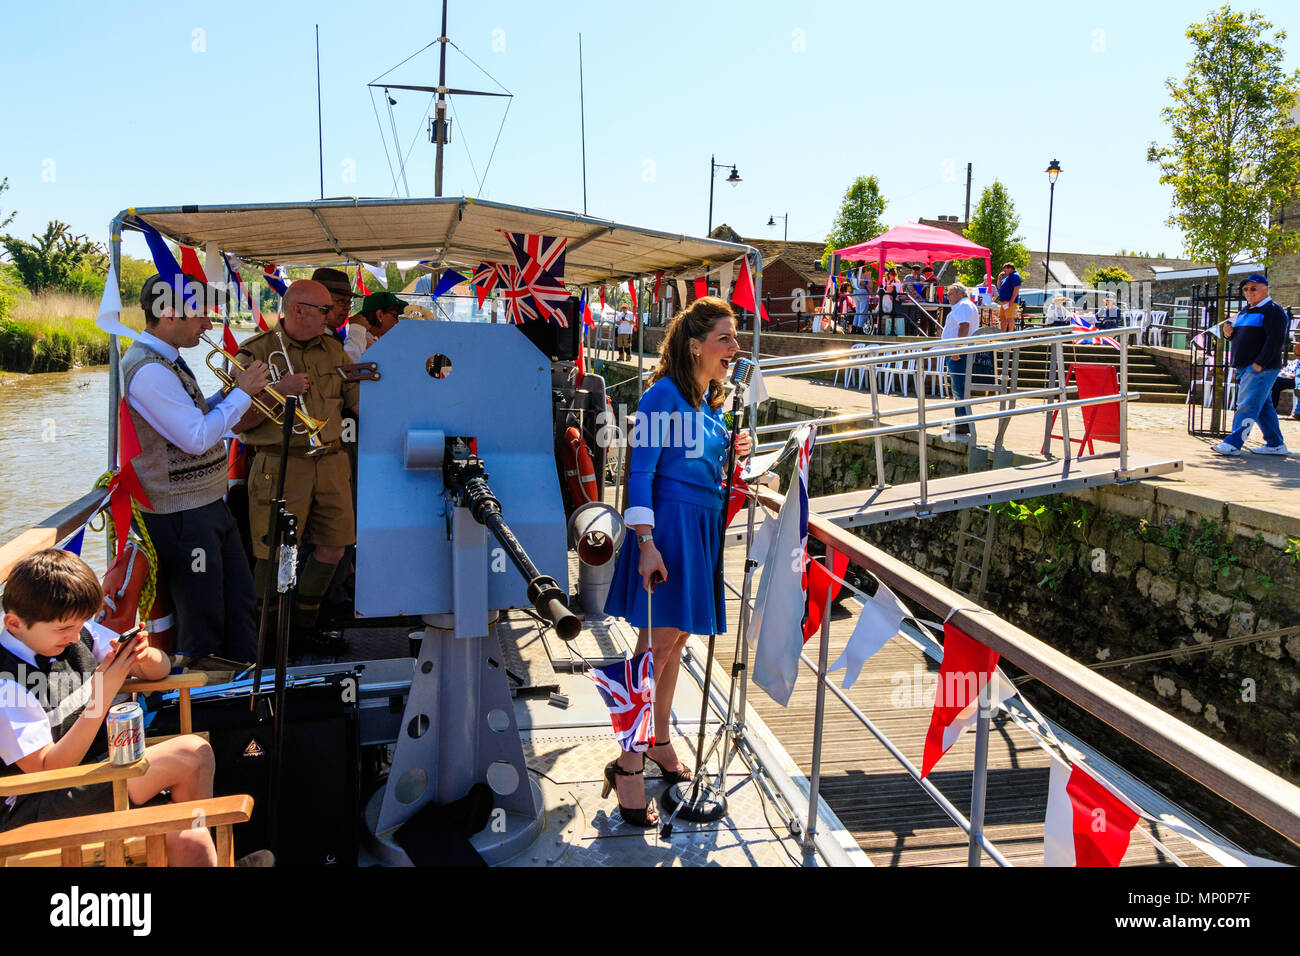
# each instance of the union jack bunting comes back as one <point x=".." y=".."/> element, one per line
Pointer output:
<point x="628" y="689"/>
<point x="539" y="274"/>
<point x="486" y="277"/>
<point x="1081" y="323"/>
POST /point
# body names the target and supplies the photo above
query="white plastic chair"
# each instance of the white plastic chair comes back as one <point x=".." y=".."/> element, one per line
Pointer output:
<point x="1155" y="325"/>
<point x="853" y="372"/>
<point x="936" y="377"/>
<point x="904" y="370"/>
<point x="1229" y="389"/>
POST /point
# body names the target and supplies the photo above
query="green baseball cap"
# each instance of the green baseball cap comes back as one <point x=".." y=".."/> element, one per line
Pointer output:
<point x="384" y="300"/>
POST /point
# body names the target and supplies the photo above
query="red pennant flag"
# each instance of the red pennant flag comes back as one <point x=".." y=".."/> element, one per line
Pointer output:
<point x="228" y="342"/>
<point x="818" y="579"/>
<point x="631" y="289"/>
<point x="125" y="485"/>
<point x="743" y="294"/>
<point x="361" y="286"/>
<point x="602" y="299"/>
<point x="1087" y="824"/>
<point x="659" y="277"/>
<point x="701" y="287"/>
<point x="128" y="445"/>
<point x="190" y="264"/>
<point x="738" y="495"/>
<point x="966" y="667"/>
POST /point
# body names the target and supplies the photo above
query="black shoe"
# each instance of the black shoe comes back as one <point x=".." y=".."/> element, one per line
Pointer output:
<point x="636" y="816"/>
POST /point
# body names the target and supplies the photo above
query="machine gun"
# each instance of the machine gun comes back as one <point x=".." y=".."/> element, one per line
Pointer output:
<point x="466" y="480"/>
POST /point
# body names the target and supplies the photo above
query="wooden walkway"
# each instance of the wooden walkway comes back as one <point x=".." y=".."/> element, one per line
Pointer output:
<point x="894" y="821"/>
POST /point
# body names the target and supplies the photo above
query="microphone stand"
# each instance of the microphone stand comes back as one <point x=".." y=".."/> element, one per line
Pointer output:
<point x="273" y="535"/>
<point x="698" y="801"/>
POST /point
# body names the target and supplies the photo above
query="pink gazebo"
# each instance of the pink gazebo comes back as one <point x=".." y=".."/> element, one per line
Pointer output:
<point x="915" y="242"/>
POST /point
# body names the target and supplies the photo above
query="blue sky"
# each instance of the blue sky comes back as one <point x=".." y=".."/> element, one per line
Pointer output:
<point x="144" y="104"/>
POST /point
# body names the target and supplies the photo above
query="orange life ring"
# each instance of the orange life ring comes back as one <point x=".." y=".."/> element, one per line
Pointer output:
<point x="579" y="470"/>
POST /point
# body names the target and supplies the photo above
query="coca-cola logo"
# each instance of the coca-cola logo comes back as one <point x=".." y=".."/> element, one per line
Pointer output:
<point x="127" y="736"/>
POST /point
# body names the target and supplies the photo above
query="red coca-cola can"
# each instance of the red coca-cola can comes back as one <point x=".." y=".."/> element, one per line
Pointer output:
<point x="125" y="733"/>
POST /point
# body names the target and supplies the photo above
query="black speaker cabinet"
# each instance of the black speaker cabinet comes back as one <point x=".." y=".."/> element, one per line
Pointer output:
<point x="556" y="343"/>
<point x="320" y="807"/>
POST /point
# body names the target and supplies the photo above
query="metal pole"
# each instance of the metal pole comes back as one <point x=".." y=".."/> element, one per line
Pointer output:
<point x="1047" y="266"/>
<point x="440" y="110"/>
<point x="814" y="782"/>
<point x="640" y="342"/>
<point x="1123" y="403"/>
<point x="320" y="130"/>
<point x="749" y="527"/>
<point x="582" y="110"/>
<point x="712" y="162"/>
<point x="114" y="369"/>
<point x="922" y="443"/>
<point x="1063" y="381"/>
<point x="980" y="776"/>
<point x="871" y="371"/>
<point x="968" y="175"/>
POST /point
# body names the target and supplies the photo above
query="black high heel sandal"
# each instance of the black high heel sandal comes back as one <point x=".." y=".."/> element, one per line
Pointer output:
<point x="634" y="816"/>
<point x="670" y="777"/>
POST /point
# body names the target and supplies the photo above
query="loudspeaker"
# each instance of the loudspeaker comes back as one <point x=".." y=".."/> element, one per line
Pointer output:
<point x="555" y="342"/>
<point x="320" y="800"/>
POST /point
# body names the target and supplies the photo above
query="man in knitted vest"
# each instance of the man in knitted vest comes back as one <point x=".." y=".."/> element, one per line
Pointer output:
<point x="182" y="467"/>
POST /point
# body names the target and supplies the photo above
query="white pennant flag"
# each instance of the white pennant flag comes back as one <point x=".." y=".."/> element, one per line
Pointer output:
<point x="109" y="317"/>
<point x="882" y="615"/>
<point x="776" y="627"/>
<point x="381" y="276"/>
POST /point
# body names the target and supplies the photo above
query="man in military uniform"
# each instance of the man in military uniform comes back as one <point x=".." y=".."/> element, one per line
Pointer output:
<point x="317" y="486"/>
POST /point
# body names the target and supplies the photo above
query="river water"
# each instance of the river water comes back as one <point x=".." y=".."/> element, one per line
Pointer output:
<point x="54" y="442"/>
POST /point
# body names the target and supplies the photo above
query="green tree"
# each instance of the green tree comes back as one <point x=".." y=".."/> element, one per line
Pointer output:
<point x="860" y="217"/>
<point x="994" y="225"/>
<point x="57" y="260"/>
<point x="130" y="277"/>
<point x="4" y="184"/>
<point x="1234" y="154"/>
<point x="1106" y="275"/>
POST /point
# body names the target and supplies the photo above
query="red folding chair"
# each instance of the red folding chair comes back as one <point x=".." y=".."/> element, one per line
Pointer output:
<point x="1101" y="421"/>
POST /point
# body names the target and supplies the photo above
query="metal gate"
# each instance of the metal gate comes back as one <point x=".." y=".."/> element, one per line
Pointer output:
<point x="1212" y="389"/>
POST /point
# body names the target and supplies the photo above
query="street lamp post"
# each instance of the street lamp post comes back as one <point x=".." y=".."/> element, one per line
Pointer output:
<point x="734" y="178"/>
<point x="1053" y="170"/>
<point x="771" y="221"/>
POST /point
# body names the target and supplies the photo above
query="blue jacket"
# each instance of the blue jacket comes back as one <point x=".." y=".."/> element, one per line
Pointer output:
<point x="678" y="452"/>
<point x="1258" y="335"/>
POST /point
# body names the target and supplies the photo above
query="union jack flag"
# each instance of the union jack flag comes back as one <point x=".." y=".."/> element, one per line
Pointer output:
<point x="486" y="277"/>
<point x="276" y="279"/>
<point x="628" y="689"/>
<point x="539" y="275"/>
<point x="1081" y="323"/>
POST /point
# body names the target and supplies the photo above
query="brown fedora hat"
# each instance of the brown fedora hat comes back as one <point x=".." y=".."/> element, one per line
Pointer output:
<point x="335" y="280"/>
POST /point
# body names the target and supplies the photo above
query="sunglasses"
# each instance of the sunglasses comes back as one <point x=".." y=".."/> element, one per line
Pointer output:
<point x="324" y="309"/>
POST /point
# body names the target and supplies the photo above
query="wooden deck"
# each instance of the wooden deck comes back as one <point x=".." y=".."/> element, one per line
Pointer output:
<point x="894" y="821"/>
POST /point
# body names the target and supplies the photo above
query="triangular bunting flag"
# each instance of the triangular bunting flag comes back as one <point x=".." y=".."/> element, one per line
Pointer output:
<point x="1087" y="824"/>
<point x="966" y="667"/>
<point x="743" y="296"/>
<point x="882" y="615"/>
<point x="818" y="581"/>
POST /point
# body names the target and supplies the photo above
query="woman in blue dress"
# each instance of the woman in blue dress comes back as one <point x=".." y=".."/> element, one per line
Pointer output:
<point x="679" y="443"/>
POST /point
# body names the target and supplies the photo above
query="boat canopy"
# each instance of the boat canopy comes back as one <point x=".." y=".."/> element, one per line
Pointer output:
<point x="459" y="232"/>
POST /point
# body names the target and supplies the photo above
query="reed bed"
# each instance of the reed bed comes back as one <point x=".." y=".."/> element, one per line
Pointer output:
<point x="56" y="332"/>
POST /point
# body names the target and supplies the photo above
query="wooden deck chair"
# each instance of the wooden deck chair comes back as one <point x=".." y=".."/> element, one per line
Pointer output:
<point x="1100" y="422"/>
<point x="91" y="840"/>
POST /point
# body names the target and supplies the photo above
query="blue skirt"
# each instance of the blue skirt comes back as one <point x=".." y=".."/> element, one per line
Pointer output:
<point x="688" y="537"/>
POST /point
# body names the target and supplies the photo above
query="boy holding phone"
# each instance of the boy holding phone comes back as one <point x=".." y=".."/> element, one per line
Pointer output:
<point x="59" y="673"/>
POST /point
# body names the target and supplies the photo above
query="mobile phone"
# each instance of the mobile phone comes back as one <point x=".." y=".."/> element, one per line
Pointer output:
<point x="127" y="641"/>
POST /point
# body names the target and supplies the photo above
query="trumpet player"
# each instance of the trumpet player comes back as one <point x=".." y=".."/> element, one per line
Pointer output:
<point x="304" y="359"/>
<point x="182" y="467"/>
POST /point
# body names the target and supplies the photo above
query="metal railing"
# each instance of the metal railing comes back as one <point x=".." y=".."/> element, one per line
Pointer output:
<point x="1004" y="389"/>
<point x="1263" y="795"/>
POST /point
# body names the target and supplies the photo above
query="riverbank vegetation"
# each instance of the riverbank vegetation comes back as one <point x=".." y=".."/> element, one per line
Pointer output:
<point x="54" y="332"/>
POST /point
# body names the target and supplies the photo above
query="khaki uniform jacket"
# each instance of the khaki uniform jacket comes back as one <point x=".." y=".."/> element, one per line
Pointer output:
<point x="328" y="395"/>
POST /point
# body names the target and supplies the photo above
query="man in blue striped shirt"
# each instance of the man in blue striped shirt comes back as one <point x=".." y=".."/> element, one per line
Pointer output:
<point x="1257" y="336"/>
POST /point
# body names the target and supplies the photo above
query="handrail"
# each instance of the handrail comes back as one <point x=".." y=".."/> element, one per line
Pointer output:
<point x="1267" y="797"/>
<point x="49" y="532"/>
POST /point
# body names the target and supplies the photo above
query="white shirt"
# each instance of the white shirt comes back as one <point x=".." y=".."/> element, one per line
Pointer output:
<point x="624" y="325"/>
<point x="24" y="724"/>
<point x="359" y="339"/>
<point x="160" y="398"/>
<point x="963" y="311"/>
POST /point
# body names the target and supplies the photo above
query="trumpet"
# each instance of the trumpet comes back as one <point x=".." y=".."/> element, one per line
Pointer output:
<point x="273" y="410"/>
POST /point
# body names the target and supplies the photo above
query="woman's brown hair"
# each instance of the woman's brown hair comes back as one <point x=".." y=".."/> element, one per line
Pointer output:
<point x="695" y="321"/>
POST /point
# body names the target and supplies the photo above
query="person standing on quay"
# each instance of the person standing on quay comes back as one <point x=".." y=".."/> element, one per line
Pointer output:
<point x="1257" y="336"/>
